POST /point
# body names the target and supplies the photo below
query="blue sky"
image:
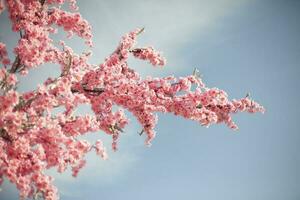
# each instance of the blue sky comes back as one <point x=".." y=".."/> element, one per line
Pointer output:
<point x="239" y="46"/>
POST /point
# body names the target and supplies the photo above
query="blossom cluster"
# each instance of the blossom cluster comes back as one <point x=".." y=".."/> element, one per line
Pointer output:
<point x="34" y="137"/>
<point x="1" y="6"/>
<point x="3" y="55"/>
<point x="35" y="21"/>
<point x="149" y="54"/>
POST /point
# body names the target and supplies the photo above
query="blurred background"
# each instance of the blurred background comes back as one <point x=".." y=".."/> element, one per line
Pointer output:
<point x="238" y="45"/>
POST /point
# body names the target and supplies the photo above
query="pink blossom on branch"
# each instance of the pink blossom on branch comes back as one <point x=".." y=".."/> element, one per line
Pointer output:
<point x="1" y="6"/>
<point x="34" y="138"/>
<point x="149" y="54"/>
<point x="3" y="54"/>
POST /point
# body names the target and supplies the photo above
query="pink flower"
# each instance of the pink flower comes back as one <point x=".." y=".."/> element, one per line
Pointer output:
<point x="100" y="149"/>
<point x="2" y="7"/>
<point x="11" y="79"/>
<point x="40" y="129"/>
<point x="149" y="54"/>
<point x="3" y="52"/>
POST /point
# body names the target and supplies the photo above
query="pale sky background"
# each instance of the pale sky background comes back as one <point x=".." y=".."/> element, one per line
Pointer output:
<point x="238" y="45"/>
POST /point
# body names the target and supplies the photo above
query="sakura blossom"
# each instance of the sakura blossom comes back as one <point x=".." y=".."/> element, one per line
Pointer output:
<point x="34" y="139"/>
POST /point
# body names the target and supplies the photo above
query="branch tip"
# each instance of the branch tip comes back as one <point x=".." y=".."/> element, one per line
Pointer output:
<point x="141" y="31"/>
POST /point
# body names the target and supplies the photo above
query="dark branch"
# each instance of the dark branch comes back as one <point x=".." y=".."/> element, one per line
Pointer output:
<point x="5" y="135"/>
<point x="94" y="92"/>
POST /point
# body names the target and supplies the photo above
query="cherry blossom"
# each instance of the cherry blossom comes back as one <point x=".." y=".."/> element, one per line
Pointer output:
<point x="1" y="6"/>
<point x="34" y="138"/>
